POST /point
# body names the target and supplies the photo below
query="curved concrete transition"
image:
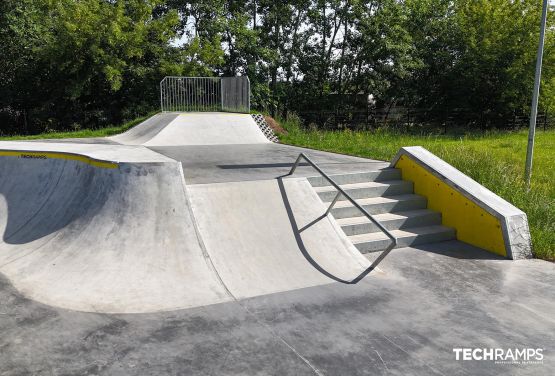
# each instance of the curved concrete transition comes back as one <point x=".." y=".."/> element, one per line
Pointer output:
<point x="113" y="228"/>
<point x="106" y="240"/>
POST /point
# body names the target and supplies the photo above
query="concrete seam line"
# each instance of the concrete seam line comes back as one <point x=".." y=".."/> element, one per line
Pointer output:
<point x="299" y="355"/>
<point x="211" y="265"/>
<point x="29" y="252"/>
<point x="203" y="248"/>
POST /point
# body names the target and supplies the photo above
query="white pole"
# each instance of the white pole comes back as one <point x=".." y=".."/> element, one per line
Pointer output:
<point x="535" y="96"/>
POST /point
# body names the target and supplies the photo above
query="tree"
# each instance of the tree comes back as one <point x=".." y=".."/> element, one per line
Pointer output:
<point x="478" y="54"/>
<point x="89" y="62"/>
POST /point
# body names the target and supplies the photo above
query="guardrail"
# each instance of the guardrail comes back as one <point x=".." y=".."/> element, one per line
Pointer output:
<point x="340" y="192"/>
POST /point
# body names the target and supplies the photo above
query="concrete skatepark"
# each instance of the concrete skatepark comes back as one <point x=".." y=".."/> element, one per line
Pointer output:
<point x="184" y="247"/>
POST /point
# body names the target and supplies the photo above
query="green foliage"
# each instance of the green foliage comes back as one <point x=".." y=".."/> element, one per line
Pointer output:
<point x="95" y="62"/>
<point x="494" y="159"/>
<point x="479" y="54"/>
<point x="90" y="62"/>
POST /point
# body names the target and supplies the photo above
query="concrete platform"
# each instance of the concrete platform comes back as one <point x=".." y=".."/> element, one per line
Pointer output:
<point x="207" y="128"/>
<point x="229" y="163"/>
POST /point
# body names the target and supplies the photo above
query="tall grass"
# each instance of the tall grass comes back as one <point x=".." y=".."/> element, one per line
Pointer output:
<point x="494" y="159"/>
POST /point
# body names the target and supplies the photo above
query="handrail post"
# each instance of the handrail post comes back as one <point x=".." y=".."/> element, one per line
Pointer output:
<point x="340" y="192"/>
<point x="333" y="202"/>
<point x="296" y="163"/>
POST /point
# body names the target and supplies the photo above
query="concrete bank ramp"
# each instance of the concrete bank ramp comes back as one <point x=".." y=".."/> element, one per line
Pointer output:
<point x="146" y="130"/>
<point x="215" y="128"/>
<point x="269" y="236"/>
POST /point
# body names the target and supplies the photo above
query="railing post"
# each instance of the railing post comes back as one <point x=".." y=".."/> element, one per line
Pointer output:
<point x="221" y="95"/>
<point x="161" y="100"/>
<point x="333" y="202"/>
<point x="296" y="163"/>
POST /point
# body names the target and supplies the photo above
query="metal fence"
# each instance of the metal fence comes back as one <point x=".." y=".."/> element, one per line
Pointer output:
<point x="198" y="94"/>
<point x="236" y="94"/>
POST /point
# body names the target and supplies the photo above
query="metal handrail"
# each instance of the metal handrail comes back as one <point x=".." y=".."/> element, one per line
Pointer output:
<point x="340" y="192"/>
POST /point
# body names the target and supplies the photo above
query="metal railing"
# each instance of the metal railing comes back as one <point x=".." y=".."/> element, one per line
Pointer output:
<point x="200" y="94"/>
<point x="341" y="192"/>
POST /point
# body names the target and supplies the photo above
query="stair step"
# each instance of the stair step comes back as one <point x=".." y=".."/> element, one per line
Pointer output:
<point x="358" y="177"/>
<point x="366" y="189"/>
<point x="391" y="221"/>
<point x="378" y="241"/>
<point x="379" y="205"/>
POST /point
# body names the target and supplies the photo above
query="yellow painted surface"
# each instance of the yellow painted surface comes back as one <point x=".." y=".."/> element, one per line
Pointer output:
<point x="474" y="224"/>
<point x="55" y="155"/>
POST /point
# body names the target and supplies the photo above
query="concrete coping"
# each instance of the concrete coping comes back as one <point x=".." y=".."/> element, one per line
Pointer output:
<point x="513" y="220"/>
<point x="101" y="153"/>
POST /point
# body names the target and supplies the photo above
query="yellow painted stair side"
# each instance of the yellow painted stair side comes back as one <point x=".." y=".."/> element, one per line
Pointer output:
<point x="474" y="225"/>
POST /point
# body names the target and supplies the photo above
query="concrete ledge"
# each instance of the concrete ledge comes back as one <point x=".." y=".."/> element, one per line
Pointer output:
<point x="480" y="217"/>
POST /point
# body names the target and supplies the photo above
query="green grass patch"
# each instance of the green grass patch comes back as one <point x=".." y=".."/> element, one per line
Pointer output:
<point x="494" y="159"/>
<point x="85" y="133"/>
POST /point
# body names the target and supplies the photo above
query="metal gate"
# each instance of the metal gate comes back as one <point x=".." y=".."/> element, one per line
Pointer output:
<point x="197" y="94"/>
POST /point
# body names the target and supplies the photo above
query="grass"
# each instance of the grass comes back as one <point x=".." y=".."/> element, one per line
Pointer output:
<point x="85" y="133"/>
<point x="494" y="159"/>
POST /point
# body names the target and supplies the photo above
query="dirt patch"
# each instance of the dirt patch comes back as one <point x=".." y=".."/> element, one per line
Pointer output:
<point x="276" y="127"/>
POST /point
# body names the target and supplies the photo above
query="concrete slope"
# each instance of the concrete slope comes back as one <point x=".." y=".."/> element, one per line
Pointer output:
<point x="102" y="239"/>
<point x="194" y="129"/>
<point x="268" y="236"/>
<point x="146" y="130"/>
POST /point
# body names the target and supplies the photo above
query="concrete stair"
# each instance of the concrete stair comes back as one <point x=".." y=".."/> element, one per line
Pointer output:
<point x="393" y="204"/>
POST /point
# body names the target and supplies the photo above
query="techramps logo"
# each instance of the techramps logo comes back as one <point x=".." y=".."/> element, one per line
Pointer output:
<point x="519" y="356"/>
<point x="33" y="156"/>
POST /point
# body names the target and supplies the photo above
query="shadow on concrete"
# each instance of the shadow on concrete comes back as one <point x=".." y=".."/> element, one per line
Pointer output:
<point x="42" y="200"/>
<point x="459" y="250"/>
<point x="259" y="165"/>
<point x="300" y="243"/>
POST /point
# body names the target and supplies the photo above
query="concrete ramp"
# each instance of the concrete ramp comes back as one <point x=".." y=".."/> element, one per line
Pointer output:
<point x="102" y="239"/>
<point x="268" y="236"/>
<point x="194" y="129"/>
<point x="146" y="130"/>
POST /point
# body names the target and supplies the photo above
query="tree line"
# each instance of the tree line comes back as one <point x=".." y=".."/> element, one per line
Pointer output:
<point x="69" y="64"/>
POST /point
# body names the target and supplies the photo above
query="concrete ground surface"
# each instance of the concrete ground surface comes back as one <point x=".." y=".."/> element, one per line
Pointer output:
<point x="404" y="321"/>
<point x="197" y="256"/>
